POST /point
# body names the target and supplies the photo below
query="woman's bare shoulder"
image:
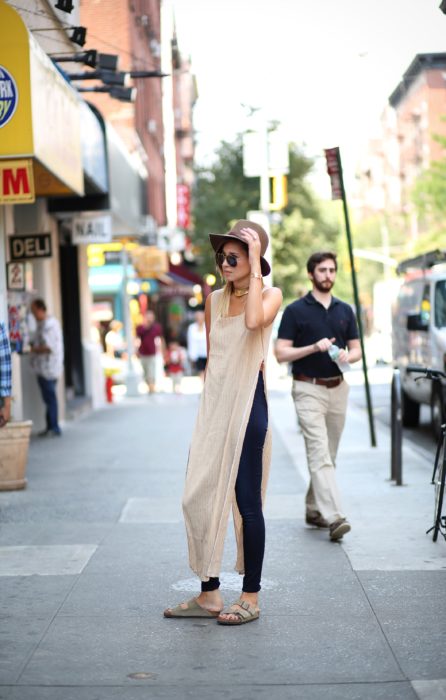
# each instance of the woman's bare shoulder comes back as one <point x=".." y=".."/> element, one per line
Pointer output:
<point x="273" y="292"/>
<point x="212" y="295"/>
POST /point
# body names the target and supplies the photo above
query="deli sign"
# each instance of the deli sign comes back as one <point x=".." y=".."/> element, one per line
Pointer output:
<point x="36" y="245"/>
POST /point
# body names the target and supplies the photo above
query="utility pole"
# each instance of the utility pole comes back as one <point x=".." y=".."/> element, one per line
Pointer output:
<point x="264" y="173"/>
<point x="256" y="164"/>
<point x="131" y="379"/>
<point x="263" y="158"/>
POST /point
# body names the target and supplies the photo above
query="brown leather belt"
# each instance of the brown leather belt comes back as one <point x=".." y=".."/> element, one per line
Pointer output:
<point x="329" y="383"/>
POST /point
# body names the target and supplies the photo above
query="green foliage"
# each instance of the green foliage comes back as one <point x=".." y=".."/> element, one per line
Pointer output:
<point x="222" y="194"/>
<point x="372" y="234"/>
<point x="302" y="231"/>
<point x="431" y="240"/>
<point x="429" y="197"/>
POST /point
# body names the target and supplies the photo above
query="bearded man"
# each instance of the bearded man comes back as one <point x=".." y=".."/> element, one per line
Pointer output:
<point x="311" y="326"/>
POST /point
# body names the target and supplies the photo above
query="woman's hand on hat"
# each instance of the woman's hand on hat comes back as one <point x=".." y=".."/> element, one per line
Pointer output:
<point x="251" y="238"/>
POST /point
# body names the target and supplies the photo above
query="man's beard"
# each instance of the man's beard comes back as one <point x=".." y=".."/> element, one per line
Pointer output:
<point x="324" y="286"/>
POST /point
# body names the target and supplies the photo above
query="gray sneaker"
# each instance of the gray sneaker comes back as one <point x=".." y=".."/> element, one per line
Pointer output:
<point x="315" y="519"/>
<point x="338" y="529"/>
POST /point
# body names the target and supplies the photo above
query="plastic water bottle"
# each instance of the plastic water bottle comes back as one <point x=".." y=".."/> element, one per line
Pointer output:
<point x="334" y="351"/>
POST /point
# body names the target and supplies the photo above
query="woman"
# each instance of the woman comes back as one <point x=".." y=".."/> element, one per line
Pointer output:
<point x="230" y="451"/>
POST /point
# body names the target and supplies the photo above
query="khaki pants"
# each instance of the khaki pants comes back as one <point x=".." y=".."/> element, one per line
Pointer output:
<point x="148" y="363"/>
<point x="321" y="414"/>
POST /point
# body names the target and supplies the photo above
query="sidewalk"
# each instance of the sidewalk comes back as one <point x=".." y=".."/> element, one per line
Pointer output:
<point x="94" y="550"/>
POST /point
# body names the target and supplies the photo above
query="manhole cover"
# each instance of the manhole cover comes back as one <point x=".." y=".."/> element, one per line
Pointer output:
<point x="142" y="676"/>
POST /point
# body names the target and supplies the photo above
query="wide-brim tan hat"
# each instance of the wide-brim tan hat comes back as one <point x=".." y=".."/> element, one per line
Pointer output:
<point x="219" y="239"/>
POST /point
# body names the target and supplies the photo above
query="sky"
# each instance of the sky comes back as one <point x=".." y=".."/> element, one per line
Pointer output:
<point x="323" y="68"/>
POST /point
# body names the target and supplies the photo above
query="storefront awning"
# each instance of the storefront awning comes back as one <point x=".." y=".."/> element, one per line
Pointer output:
<point x="180" y="281"/>
<point x="39" y="116"/>
<point x="189" y="277"/>
<point x="114" y="181"/>
<point x="186" y="274"/>
<point x="127" y="187"/>
<point x="177" y="279"/>
<point x="94" y="146"/>
<point x="108" y="279"/>
<point x="95" y="167"/>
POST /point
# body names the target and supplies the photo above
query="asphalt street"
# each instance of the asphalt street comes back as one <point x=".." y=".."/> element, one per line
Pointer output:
<point x="422" y="437"/>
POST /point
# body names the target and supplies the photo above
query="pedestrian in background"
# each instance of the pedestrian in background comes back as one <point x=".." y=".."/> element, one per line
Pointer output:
<point x="174" y="360"/>
<point x="150" y="334"/>
<point x="5" y="376"/>
<point x="309" y="329"/>
<point x="47" y="354"/>
<point x="196" y="343"/>
<point x="114" y="341"/>
<point x="230" y="452"/>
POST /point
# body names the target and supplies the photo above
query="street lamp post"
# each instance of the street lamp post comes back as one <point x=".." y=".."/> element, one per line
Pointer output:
<point x="265" y="155"/>
<point x="132" y="379"/>
<point x="256" y="164"/>
<point x="264" y="173"/>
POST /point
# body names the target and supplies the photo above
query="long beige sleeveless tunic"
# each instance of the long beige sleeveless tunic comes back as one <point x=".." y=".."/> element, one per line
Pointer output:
<point x="236" y="355"/>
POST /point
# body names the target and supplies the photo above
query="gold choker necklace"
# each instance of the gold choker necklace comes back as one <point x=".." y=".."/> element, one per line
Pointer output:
<point x="241" y="292"/>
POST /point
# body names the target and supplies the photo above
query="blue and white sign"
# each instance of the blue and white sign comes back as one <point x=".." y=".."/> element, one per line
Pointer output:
<point x="9" y="96"/>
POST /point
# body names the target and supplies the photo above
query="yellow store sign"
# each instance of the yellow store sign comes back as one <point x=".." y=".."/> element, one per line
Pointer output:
<point x="16" y="182"/>
<point x="149" y="261"/>
<point x="39" y="111"/>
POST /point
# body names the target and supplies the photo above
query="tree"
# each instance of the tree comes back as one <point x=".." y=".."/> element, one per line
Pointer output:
<point x="305" y="226"/>
<point x="429" y="196"/>
<point x="222" y="194"/>
<point x="379" y="233"/>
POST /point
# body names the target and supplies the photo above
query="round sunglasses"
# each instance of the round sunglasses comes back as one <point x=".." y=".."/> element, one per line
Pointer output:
<point x="231" y="259"/>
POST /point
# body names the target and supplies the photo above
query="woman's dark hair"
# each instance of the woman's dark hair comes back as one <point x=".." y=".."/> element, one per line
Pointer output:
<point x="39" y="304"/>
<point x="319" y="257"/>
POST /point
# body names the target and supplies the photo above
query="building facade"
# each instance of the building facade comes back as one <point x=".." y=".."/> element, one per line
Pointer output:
<point x="83" y="178"/>
<point x="42" y="134"/>
<point x="133" y="30"/>
<point x="406" y="145"/>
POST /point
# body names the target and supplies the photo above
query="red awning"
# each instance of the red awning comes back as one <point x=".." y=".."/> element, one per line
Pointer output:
<point x="187" y="274"/>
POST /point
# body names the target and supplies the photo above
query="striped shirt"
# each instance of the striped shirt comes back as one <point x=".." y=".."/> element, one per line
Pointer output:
<point x="5" y="362"/>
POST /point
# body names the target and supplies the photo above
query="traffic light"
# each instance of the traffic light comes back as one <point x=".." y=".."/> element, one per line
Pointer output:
<point x="279" y="193"/>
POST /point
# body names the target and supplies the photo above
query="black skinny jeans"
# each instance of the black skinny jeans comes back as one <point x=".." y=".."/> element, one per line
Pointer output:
<point x="248" y="494"/>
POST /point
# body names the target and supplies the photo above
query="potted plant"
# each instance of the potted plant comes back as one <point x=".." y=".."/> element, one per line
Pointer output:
<point x="14" y="435"/>
<point x="14" y="444"/>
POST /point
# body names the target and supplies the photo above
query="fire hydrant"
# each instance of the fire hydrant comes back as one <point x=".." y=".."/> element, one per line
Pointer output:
<point x="108" y="388"/>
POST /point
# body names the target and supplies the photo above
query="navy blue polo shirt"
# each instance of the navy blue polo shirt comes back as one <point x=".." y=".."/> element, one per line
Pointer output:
<point x="306" y="321"/>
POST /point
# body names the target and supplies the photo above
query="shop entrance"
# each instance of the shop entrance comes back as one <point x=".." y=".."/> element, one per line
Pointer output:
<point x="69" y="283"/>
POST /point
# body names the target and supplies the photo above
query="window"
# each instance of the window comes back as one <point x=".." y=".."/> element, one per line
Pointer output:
<point x="440" y="304"/>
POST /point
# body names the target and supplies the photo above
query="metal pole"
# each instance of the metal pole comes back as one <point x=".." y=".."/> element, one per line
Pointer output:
<point x="357" y="303"/>
<point x="396" y="431"/>
<point x="265" y="192"/>
<point x="264" y="175"/>
<point x="132" y="378"/>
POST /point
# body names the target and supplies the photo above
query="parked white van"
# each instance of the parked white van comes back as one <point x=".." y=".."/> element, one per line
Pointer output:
<point x="419" y="334"/>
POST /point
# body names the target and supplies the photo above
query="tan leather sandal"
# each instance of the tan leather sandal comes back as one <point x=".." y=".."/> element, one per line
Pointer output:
<point x="242" y="610"/>
<point x="194" y="609"/>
